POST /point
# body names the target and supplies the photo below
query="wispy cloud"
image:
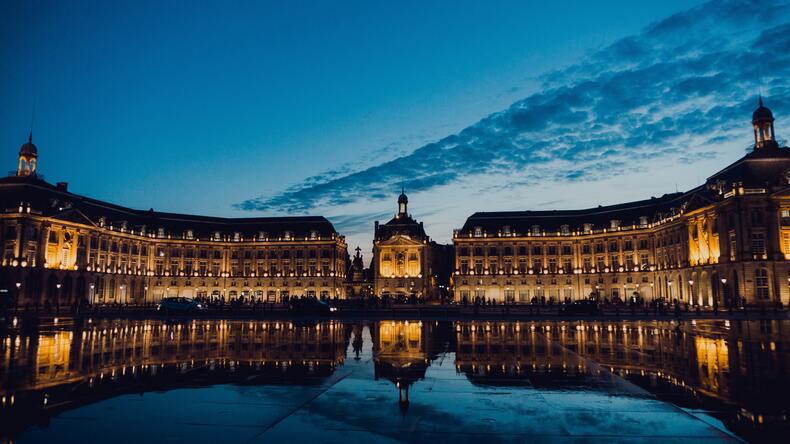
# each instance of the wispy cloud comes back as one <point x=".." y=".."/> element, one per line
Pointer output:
<point x="674" y="91"/>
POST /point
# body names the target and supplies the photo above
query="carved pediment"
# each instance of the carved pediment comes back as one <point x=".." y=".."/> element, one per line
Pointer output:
<point x="400" y="240"/>
<point x="73" y="215"/>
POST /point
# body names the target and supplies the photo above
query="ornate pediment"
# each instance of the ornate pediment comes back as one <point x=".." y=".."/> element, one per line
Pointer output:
<point x="73" y="215"/>
<point x="400" y="239"/>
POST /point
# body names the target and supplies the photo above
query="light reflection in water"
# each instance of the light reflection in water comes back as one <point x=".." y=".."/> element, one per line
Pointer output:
<point x="739" y="364"/>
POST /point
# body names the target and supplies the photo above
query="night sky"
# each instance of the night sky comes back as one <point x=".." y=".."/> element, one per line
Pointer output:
<point x="329" y="108"/>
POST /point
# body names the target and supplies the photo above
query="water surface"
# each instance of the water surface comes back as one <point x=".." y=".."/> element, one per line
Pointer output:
<point x="254" y="381"/>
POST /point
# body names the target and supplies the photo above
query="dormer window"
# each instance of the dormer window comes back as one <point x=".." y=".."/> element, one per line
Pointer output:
<point x="287" y="235"/>
<point x="643" y="221"/>
<point x="565" y="229"/>
<point x="478" y="232"/>
<point x="160" y="232"/>
<point x="262" y="235"/>
<point x="217" y="236"/>
<point x="313" y="235"/>
<point x="588" y="228"/>
<point x="189" y="234"/>
<point x="142" y="230"/>
<point x="536" y="230"/>
<point x="102" y="221"/>
<point x="506" y="230"/>
<point x="614" y="224"/>
<point x="236" y="237"/>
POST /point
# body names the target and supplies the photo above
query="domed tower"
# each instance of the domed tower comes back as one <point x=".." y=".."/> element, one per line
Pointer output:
<point x="28" y="155"/>
<point x="403" y="201"/>
<point x="763" y="122"/>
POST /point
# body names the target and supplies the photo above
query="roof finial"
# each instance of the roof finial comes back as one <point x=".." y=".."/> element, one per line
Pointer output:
<point x="32" y="121"/>
<point x="761" y="100"/>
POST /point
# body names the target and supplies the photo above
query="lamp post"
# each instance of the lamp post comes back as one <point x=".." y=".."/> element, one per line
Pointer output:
<point x="723" y="293"/>
<point x="18" y="292"/>
<point x="57" y="298"/>
<point x="93" y="294"/>
<point x="691" y="291"/>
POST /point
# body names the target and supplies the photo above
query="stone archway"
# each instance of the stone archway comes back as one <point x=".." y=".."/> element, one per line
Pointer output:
<point x="704" y="290"/>
<point x="52" y="295"/>
<point x="67" y="290"/>
<point x="80" y="292"/>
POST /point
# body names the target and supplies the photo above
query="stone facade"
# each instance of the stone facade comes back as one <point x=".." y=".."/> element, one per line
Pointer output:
<point x="60" y="248"/>
<point x="724" y="243"/>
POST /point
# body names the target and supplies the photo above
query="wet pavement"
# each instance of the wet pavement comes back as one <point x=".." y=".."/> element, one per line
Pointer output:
<point x="381" y="381"/>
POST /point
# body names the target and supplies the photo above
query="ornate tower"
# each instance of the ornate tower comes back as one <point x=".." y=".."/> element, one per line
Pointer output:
<point x="403" y="202"/>
<point x="763" y="122"/>
<point x="28" y="157"/>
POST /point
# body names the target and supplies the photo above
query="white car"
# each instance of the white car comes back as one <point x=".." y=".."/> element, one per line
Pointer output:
<point x="180" y="304"/>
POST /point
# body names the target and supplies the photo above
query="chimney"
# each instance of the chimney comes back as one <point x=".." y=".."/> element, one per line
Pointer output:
<point x="62" y="186"/>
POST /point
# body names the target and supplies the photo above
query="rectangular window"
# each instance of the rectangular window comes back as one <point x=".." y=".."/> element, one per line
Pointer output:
<point x="761" y="283"/>
<point x="758" y="244"/>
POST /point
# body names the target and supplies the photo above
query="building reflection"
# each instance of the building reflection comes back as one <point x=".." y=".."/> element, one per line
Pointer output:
<point x="736" y="369"/>
<point x="694" y="365"/>
<point x="46" y="372"/>
<point x="401" y="354"/>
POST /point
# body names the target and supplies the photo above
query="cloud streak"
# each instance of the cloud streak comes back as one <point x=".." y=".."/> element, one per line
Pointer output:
<point x="673" y="91"/>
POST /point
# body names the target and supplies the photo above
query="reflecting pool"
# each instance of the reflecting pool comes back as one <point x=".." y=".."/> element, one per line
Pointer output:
<point x="461" y="381"/>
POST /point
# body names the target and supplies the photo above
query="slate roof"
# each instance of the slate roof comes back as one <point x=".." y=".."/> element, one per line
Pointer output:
<point x="764" y="168"/>
<point x="55" y="202"/>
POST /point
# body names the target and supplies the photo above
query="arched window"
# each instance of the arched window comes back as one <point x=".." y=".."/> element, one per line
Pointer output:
<point x="761" y="283"/>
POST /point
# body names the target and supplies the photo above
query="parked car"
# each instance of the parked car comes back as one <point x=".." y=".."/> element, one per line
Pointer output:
<point x="180" y="305"/>
<point x="583" y="306"/>
<point x="310" y="306"/>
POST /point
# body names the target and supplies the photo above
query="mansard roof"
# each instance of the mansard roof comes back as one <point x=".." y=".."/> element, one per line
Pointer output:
<point x="401" y="224"/>
<point x="52" y="201"/>
<point x="767" y="168"/>
<point x="552" y="220"/>
<point x="761" y="168"/>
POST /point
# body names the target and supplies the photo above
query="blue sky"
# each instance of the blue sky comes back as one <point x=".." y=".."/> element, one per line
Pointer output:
<point x="246" y="108"/>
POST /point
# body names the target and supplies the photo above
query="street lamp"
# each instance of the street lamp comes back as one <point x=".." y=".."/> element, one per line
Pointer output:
<point x="691" y="291"/>
<point x="57" y="297"/>
<point x="18" y="291"/>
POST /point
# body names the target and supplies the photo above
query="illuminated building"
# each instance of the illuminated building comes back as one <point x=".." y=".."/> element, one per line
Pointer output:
<point x="406" y="262"/>
<point x="61" y="247"/>
<point x="724" y="243"/>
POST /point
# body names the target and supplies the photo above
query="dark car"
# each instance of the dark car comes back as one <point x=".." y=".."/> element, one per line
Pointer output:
<point x="179" y="305"/>
<point x="583" y="306"/>
<point x="310" y="306"/>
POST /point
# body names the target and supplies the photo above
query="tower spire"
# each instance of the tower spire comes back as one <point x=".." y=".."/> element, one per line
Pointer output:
<point x="402" y="203"/>
<point x="763" y="123"/>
